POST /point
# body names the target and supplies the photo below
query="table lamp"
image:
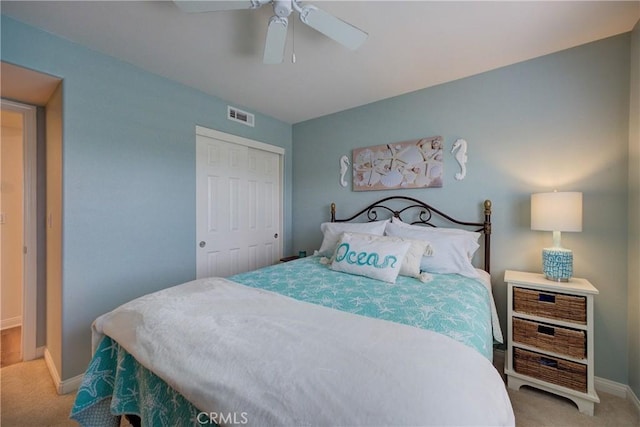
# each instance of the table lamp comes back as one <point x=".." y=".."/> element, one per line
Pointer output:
<point x="557" y="212"/>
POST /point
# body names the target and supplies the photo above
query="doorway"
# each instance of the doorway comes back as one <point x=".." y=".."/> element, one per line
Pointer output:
<point x="18" y="254"/>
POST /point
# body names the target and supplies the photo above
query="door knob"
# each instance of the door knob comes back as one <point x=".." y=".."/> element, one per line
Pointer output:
<point x="203" y="244"/>
<point x="275" y="236"/>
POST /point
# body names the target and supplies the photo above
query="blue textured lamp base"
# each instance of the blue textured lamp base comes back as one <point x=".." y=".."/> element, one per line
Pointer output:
<point x="557" y="264"/>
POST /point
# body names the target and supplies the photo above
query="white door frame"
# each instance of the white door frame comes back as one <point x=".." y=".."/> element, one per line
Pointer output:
<point x="30" y="264"/>
<point x="234" y="139"/>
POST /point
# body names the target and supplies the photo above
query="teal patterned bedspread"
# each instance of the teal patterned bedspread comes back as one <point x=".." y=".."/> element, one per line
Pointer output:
<point x="459" y="307"/>
<point x="453" y="305"/>
<point x="116" y="384"/>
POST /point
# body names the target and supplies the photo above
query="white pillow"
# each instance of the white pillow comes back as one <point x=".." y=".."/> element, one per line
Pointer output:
<point x="333" y="230"/>
<point x="473" y="236"/>
<point x="377" y="259"/>
<point x="452" y="251"/>
<point x="412" y="259"/>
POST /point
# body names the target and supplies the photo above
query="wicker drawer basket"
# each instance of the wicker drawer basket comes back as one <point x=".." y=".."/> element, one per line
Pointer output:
<point x="551" y="369"/>
<point x="565" y="341"/>
<point x="569" y="308"/>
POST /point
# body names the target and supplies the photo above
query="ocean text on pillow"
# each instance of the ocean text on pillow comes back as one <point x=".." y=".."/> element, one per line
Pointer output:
<point x="363" y="258"/>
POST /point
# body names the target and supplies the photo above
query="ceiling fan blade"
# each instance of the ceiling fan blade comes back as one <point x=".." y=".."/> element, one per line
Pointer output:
<point x="193" y="6"/>
<point x="332" y="27"/>
<point x="276" y="40"/>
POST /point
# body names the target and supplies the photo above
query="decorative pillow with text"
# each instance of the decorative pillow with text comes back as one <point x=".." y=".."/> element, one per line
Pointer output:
<point x="374" y="258"/>
<point x="413" y="258"/>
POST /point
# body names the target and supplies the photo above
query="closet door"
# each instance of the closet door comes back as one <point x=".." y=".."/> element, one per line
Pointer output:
<point x="238" y="207"/>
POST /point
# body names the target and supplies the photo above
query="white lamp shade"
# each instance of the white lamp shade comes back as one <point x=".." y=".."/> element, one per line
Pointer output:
<point x="557" y="211"/>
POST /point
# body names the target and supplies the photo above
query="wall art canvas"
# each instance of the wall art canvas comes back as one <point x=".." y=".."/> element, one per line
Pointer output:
<point x="408" y="164"/>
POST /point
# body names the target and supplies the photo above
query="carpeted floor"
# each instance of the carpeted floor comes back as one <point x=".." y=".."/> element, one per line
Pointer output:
<point x="534" y="408"/>
<point x="28" y="397"/>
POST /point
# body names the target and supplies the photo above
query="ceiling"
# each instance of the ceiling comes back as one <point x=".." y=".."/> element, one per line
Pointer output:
<point x="411" y="45"/>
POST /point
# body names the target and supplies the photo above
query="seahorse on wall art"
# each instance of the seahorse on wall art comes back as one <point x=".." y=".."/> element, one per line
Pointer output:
<point x="344" y="166"/>
<point x="461" y="157"/>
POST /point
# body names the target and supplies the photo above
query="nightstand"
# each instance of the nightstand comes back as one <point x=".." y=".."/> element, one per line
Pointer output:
<point x="289" y="258"/>
<point x="550" y="336"/>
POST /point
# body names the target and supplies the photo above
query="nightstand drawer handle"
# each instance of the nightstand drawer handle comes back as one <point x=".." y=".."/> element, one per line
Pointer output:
<point x="549" y="362"/>
<point x="547" y="330"/>
<point x="547" y="298"/>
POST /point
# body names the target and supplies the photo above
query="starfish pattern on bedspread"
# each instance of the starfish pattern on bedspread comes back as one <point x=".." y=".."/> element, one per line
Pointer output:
<point x="451" y="304"/>
<point x="116" y="384"/>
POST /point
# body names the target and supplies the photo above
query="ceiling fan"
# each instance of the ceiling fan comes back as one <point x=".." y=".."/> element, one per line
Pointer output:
<point x="332" y="27"/>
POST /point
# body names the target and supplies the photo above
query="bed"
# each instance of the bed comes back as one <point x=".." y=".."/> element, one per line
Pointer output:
<point x="337" y="338"/>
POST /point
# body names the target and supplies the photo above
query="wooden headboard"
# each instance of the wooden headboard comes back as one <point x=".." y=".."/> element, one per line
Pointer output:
<point x="414" y="211"/>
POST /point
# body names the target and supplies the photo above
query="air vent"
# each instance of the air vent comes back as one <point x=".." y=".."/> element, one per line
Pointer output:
<point x="240" y="116"/>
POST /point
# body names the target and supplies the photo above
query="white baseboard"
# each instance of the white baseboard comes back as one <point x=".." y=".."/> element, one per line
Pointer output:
<point x="53" y="372"/>
<point x="71" y="385"/>
<point x="12" y="322"/>
<point x="634" y="399"/>
<point x="617" y="389"/>
<point x="607" y="386"/>
<point x="62" y="387"/>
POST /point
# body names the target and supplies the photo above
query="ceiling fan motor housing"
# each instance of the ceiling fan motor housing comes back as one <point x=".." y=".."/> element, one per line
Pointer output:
<point x="282" y="8"/>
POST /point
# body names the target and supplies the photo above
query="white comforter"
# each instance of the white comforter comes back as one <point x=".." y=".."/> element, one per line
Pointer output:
<point x="274" y="360"/>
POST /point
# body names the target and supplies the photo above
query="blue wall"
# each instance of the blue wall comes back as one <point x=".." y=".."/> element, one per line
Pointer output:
<point x="558" y="121"/>
<point x="128" y="177"/>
